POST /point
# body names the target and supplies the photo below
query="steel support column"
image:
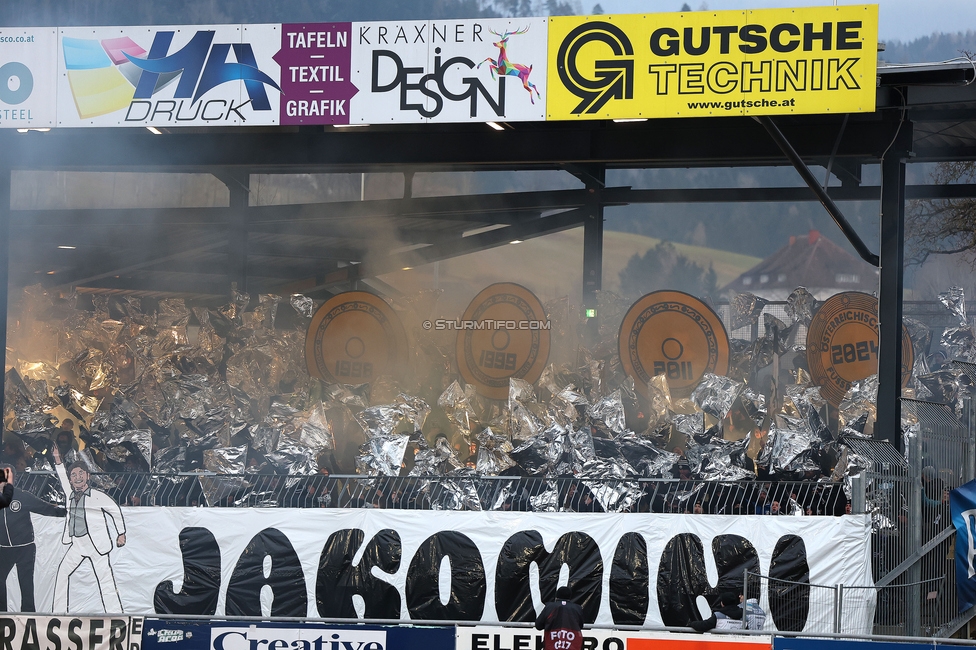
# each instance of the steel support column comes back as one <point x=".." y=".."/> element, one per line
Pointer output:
<point x="593" y="247"/>
<point x="4" y="275"/>
<point x="888" y="425"/>
<point x="239" y="187"/>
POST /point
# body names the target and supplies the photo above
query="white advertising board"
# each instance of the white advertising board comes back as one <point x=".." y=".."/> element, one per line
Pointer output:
<point x="449" y="71"/>
<point x="28" y="70"/>
<point x="217" y="75"/>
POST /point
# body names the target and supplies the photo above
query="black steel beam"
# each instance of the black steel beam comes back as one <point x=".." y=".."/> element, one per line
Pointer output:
<point x="888" y="425"/>
<point x="119" y="217"/>
<point x="239" y="187"/>
<point x="593" y="246"/>
<point x="4" y="274"/>
<point x="129" y="261"/>
<point x="181" y="284"/>
<point x="622" y="196"/>
<point x="678" y="142"/>
<point x="494" y="208"/>
<point x="461" y="246"/>
<point x="304" y="250"/>
<point x="828" y="203"/>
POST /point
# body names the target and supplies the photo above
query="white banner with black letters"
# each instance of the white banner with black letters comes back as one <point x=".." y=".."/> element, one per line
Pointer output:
<point x="643" y="569"/>
<point x="77" y="633"/>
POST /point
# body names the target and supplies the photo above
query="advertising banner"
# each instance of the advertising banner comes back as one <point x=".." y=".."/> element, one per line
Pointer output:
<point x="28" y="74"/>
<point x="449" y="71"/>
<point x="474" y="566"/>
<point x="218" y="75"/>
<point x="701" y="63"/>
<point x="502" y="638"/>
<point x="174" y="634"/>
<point x="793" y="643"/>
<point x="78" y="633"/>
<point x="680" y="64"/>
<point x="962" y="506"/>
<point x="316" y="73"/>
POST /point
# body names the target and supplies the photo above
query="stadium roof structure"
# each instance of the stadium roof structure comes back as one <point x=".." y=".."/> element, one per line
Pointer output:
<point x="924" y="113"/>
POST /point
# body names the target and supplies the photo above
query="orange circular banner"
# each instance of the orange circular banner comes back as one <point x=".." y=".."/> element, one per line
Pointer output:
<point x="842" y="344"/>
<point x="353" y="338"/>
<point x="674" y="334"/>
<point x="503" y="333"/>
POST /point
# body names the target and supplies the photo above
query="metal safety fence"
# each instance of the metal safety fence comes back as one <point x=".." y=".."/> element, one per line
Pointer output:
<point x="845" y="609"/>
<point x="796" y="498"/>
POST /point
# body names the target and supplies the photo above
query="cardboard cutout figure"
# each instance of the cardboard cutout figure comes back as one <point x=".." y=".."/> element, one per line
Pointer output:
<point x="88" y="535"/>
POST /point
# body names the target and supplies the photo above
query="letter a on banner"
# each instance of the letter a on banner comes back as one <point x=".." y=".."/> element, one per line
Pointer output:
<point x="962" y="505"/>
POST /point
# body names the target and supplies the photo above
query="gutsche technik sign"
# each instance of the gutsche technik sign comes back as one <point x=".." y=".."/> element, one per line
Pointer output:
<point x="680" y="64"/>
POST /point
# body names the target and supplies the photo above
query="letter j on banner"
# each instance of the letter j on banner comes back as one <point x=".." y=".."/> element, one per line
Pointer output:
<point x="962" y="505"/>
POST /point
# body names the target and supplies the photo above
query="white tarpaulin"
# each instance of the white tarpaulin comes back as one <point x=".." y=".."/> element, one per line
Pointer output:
<point x="434" y="565"/>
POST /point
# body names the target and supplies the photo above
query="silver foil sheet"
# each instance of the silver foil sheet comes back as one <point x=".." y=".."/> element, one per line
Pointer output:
<point x="954" y="299"/>
<point x="383" y="455"/>
<point x="294" y="459"/>
<point x="858" y="409"/>
<point x="226" y="460"/>
<point x="302" y="304"/>
<point x="715" y="394"/>
<point x="745" y="309"/>
<point x="607" y="415"/>
<point x="800" y="306"/>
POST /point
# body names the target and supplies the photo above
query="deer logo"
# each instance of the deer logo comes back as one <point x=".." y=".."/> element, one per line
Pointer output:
<point x="502" y="66"/>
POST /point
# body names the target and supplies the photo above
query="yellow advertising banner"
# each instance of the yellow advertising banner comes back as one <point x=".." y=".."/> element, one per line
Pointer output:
<point x="701" y="63"/>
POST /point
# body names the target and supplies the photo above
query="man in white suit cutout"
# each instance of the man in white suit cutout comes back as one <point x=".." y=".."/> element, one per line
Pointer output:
<point x="88" y="535"/>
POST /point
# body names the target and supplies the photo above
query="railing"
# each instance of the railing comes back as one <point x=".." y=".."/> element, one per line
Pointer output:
<point x="843" y="609"/>
<point x="467" y="492"/>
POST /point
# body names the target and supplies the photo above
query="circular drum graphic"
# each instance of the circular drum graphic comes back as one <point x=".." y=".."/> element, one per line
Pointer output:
<point x="353" y="338"/>
<point x="503" y="333"/>
<point x="674" y="334"/>
<point x="842" y="344"/>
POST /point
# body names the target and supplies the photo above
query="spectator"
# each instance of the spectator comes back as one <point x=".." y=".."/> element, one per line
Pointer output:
<point x="17" y="548"/>
<point x="562" y="621"/>
<point x="755" y="618"/>
<point x="726" y="607"/>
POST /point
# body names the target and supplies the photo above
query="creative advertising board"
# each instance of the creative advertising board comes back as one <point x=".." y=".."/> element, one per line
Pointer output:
<point x="681" y="64"/>
<point x="627" y="569"/>
<point x="176" y="634"/>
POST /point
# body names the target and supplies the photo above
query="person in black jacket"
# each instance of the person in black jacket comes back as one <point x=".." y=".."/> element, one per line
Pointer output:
<point x="6" y="487"/>
<point x="562" y="621"/>
<point x="726" y="606"/>
<point x="17" y="540"/>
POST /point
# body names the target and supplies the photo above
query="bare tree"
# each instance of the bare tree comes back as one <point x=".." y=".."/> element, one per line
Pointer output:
<point x="943" y="226"/>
